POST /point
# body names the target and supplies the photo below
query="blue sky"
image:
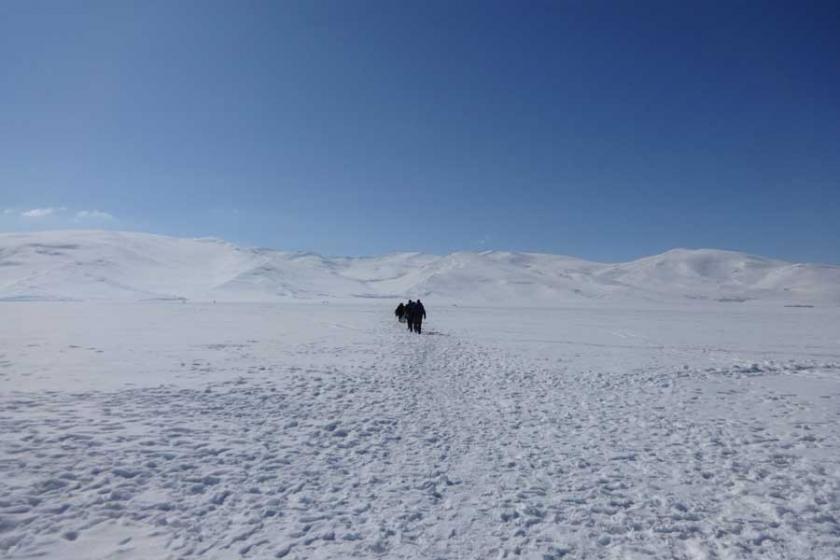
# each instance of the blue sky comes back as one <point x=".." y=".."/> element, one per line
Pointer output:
<point x="605" y="130"/>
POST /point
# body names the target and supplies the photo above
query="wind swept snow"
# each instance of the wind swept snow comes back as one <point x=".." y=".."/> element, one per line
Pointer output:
<point x="167" y="430"/>
<point x="122" y="266"/>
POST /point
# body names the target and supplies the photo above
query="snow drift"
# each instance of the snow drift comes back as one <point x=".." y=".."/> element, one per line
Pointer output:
<point x="123" y="266"/>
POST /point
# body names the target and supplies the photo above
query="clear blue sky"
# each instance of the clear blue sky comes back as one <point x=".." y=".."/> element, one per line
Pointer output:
<point x="605" y="130"/>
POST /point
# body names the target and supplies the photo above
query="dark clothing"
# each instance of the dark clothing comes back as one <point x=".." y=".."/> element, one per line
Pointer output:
<point x="400" y="312"/>
<point x="409" y="315"/>
<point x="416" y="313"/>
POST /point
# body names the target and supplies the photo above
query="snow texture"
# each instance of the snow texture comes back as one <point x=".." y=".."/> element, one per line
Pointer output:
<point x="327" y="431"/>
<point x="121" y="266"/>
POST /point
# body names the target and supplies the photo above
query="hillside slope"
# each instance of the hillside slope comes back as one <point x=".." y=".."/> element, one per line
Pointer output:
<point x="127" y="266"/>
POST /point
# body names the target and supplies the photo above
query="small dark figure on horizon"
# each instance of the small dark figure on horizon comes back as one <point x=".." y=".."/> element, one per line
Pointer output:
<point x="409" y="315"/>
<point x="418" y="313"/>
<point x="400" y="312"/>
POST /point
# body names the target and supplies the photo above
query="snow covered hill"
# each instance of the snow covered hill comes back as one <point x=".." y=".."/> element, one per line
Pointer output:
<point x="123" y="266"/>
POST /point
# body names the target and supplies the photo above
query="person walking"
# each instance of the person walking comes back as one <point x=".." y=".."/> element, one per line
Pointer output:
<point x="419" y="315"/>
<point x="409" y="315"/>
<point x="400" y="312"/>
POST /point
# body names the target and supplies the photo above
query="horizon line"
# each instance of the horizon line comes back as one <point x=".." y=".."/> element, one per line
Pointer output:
<point x="405" y="252"/>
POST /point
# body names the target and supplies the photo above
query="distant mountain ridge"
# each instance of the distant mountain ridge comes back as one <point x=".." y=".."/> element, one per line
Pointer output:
<point x="129" y="266"/>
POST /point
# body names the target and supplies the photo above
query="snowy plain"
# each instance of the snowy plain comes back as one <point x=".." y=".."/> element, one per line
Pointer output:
<point x="169" y="430"/>
<point x="681" y="406"/>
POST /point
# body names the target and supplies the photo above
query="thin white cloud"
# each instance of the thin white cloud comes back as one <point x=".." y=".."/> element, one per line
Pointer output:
<point x="57" y="215"/>
<point x="484" y="240"/>
<point x="41" y="212"/>
<point x="94" y="215"/>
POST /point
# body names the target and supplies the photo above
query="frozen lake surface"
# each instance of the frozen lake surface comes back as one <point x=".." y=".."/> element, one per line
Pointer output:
<point x="167" y="430"/>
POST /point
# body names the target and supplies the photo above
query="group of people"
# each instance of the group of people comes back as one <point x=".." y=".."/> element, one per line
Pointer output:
<point x="412" y="313"/>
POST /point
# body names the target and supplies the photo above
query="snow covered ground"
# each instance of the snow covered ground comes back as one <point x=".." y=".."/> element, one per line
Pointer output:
<point x="235" y="430"/>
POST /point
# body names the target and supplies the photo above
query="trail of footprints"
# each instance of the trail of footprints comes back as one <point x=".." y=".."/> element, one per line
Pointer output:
<point x="441" y="449"/>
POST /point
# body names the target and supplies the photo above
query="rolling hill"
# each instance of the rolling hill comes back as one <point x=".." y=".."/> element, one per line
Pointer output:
<point x="128" y="266"/>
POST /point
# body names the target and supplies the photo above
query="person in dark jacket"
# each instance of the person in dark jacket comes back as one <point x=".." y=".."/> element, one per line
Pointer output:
<point x="400" y="312"/>
<point x="419" y="314"/>
<point x="409" y="315"/>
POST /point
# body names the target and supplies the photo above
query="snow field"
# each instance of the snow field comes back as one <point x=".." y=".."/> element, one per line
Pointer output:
<point x="328" y="431"/>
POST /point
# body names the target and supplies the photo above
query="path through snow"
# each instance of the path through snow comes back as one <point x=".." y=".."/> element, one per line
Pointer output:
<point x="371" y="442"/>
